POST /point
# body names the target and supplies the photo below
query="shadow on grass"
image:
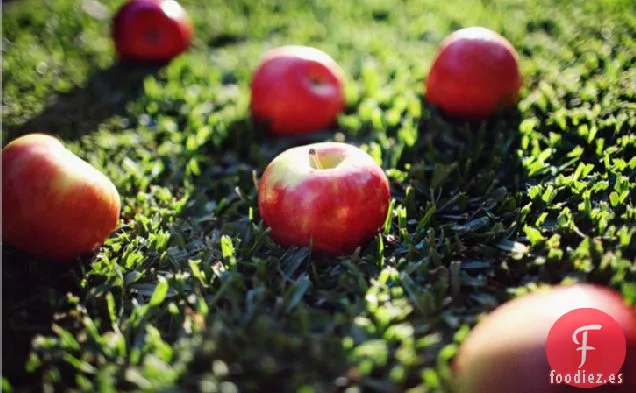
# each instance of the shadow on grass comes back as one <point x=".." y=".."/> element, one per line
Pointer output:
<point x="33" y="297"/>
<point x="476" y="165"/>
<point x="84" y="108"/>
<point x="272" y="353"/>
<point x="265" y="145"/>
<point x="33" y="290"/>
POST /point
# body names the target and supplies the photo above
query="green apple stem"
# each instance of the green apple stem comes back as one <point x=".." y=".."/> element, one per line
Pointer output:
<point x="314" y="158"/>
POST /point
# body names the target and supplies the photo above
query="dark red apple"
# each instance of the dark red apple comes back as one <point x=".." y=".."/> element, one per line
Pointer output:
<point x="297" y="90"/>
<point x="54" y="204"/>
<point x="330" y="196"/>
<point x="506" y="351"/>
<point x="474" y="75"/>
<point x="151" y="30"/>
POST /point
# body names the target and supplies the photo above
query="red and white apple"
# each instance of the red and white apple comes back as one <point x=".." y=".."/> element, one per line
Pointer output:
<point x="297" y="90"/>
<point x="506" y="351"/>
<point x="153" y="31"/>
<point x="55" y="205"/>
<point x="330" y="196"/>
<point x="474" y="75"/>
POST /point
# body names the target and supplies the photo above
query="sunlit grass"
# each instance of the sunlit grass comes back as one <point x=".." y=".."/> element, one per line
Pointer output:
<point x="191" y="293"/>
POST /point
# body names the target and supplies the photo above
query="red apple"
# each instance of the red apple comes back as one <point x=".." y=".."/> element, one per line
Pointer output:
<point x="330" y="196"/>
<point x="54" y="204"/>
<point x="474" y="75"/>
<point x="297" y="90"/>
<point x="151" y="30"/>
<point x="506" y="351"/>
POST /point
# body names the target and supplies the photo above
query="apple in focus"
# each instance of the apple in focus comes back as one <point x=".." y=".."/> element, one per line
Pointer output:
<point x="474" y="75"/>
<point x="506" y="351"/>
<point x="330" y="196"/>
<point x="297" y="90"/>
<point x="54" y="204"/>
<point x="153" y="31"/>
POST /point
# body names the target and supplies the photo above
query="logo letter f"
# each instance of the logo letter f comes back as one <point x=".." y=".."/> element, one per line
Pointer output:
<point x="584" y="347"/>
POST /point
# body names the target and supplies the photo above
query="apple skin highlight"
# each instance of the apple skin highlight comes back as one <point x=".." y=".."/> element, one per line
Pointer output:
<point x="474" y="75"/>
<point x="151" y="31"/>
<point x="297" y="90"/>
<point x="335" y="209"/>
<point x="54" y="204"/>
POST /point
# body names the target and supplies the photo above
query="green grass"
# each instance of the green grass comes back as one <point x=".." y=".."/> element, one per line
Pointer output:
<point x="190" y="294"/>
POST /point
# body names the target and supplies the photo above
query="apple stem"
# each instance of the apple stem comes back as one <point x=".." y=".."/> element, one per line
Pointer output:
<point x="314" y="157"/>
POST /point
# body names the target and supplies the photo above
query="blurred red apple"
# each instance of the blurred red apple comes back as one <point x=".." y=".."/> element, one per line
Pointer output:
<point x="506" y="351"/>
<point x="297" y="90"/>
<point x="54" y="204"/>
<point x="330" y="196"/>
<point x="151" y="30"/>
<point x="474" y="75"/>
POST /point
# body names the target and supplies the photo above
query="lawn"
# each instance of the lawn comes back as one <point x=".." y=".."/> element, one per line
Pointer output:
<point x="190" y="293"/>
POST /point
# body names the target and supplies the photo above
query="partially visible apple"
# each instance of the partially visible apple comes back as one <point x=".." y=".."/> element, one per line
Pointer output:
<point x="151" y="30"/>
<point x="474" y="75"/>
<point x="54" y="204"/>
<point x="330" y="196"/>
<point x="297" y="90"/>
<point x="506" y="351"/>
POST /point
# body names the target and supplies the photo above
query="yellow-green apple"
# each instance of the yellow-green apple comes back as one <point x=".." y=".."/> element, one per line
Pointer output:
<point x="474" y="75"/>
<point x="509" y="350"/>
<point x="297" y="90"/>
<point x="330" y="196"/>
<point x="54" y="204"/>
<point x="151" y="30"/>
